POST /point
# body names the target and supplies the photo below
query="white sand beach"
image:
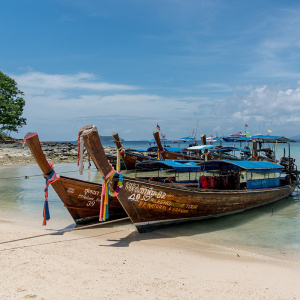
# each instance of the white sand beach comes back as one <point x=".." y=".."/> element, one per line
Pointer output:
<point x="108" y="262"/>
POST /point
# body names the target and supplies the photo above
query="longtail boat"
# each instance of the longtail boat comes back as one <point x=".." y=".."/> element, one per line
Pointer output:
<point x="129" y="158"/>
<point x="164" y="153"/>
<point x="236" y="186"/>
<point x="81" y="198"/>
<point x="266" y="153"/>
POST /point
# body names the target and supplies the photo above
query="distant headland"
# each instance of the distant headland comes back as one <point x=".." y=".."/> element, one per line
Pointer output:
<point x="296" y="138"/>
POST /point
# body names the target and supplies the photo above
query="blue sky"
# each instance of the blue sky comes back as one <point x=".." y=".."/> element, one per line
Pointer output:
<point x="127" y="65"/>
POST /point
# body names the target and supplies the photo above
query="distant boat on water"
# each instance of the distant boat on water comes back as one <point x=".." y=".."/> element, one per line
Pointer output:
<point x="211" y="139"/>
<point x="236" y="137"/>
<point x="169" y="153"/>
<point x="129" y="157"/>
<point x="190" y="141"/>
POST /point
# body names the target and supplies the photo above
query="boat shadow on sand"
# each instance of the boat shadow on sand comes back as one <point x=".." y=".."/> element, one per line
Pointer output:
<point x="288" y="208"/>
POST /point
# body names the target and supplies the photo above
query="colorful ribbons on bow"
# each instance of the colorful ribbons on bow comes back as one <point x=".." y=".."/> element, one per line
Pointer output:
<point x="89" y="160"/>
<point x="106" y="192"/>
<point x="160" y="157"/>
<point x="49" y="180"/>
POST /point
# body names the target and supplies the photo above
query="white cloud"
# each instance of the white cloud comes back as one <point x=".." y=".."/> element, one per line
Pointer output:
<point x="262" y="106"/>
<point x="37" y="81"/>
<point x="59" y="112"/>
<point x="64" y="101"/>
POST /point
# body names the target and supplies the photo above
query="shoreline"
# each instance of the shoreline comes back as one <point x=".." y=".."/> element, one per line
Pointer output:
<point x="13" y="153"/>
<point x="116" y="262"/>
<point x="207" y="245"/>
<point x="64" y="220"/>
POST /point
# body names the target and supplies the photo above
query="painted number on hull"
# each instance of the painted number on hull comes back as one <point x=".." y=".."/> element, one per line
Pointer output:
<point x="143" y="193"/>
<point x="137" y="197"/>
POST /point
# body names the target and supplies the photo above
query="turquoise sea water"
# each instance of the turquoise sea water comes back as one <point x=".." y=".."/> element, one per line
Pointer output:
<point x="273" y="227"/>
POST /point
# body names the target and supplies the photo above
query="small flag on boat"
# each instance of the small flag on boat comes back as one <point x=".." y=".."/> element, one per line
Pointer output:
<point x="246" y="125"/>
<point x="157" y="127"/>
<point x="269" y="130"/>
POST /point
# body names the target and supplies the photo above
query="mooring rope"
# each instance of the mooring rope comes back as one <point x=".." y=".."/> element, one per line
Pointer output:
<point x="61" y="231"/>
<point x="39" y="175"/>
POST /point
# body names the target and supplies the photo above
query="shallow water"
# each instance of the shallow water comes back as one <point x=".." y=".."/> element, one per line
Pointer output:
<point x="274" y="227"/>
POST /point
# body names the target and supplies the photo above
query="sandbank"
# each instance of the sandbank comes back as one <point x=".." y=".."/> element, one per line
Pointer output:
<point x="110" y="262"/>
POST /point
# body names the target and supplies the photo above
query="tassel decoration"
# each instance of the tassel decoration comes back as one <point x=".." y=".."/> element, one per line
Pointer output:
<point x="49" y="180"/>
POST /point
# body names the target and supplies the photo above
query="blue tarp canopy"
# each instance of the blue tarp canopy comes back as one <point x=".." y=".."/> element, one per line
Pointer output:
<point x="154" y="148"/>
<point x="242" y="139"/>
<point x="167" y="148"/>
<point x="178" y="165"/>
<point x="238" y="165"/>
<point x="272" y="138"/>
<point x="213" y="148"/>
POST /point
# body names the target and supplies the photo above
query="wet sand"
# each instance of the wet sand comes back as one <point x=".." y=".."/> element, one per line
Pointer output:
<point x="109" y="262"/>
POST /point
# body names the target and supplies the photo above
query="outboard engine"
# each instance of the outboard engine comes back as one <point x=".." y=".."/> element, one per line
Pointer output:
<point x="286" y="162"/>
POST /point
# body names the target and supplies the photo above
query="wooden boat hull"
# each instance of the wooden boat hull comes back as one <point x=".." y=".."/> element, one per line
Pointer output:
<point x="150" y="205"/>
<point x="129" y="159"/>
<point x="81" y="198"/>
<point x="86" y="197"/>
<point x="177" y="156"/>
<point x="170" y="154"/>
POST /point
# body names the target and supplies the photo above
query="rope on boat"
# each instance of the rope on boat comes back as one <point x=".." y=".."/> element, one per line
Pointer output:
<point x="61" y="231"/>
<point x="49" y="180"/>
<point x="38" y="175"/>
<point x="103" y="215"/>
